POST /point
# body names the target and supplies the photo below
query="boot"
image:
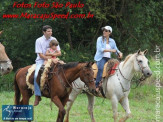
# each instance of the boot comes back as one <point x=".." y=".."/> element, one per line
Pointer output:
<point x="37" y="100"/>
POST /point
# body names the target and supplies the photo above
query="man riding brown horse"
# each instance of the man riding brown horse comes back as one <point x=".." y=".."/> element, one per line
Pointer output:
<point x="59" y="83"/>
<point x="41" y="46"/>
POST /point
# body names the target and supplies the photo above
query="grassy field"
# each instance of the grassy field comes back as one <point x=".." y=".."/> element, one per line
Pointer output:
<point x="142" y="104"/>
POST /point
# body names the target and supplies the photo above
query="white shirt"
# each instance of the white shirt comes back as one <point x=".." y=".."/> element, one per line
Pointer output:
<point x="107" y="54"/>
<point x="41" y="45"/>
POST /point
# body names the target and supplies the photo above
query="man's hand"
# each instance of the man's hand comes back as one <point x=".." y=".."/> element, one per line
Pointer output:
<point x="43" y="56"/>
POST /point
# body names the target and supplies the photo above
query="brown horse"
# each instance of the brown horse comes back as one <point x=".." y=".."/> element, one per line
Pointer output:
<point x="59" y="84"/>
<point x="5" y="63"/>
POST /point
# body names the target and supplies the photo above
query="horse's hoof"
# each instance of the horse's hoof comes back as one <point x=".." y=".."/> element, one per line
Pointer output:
<point x="66" y="120"/>
<point x="122" y="120"/>
<point x="93" y="121"/>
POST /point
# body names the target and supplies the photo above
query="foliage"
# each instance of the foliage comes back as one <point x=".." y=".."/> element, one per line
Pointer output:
<point x="7" y="82"/>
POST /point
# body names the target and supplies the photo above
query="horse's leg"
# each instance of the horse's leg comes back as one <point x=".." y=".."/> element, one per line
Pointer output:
<point x="64" y="101"/>
<point x="90" y="106"/>
<point x="72" y="98"/>
<point x="25" y="98"/>
<point x="125" y="104"/>
<point x="114" y="103"/>
<point x="26" y="94"/>
<point x="59" y="104"/>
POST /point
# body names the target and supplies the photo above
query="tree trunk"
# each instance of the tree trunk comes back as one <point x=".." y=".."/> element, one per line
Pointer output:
<point x="67" y="26"/>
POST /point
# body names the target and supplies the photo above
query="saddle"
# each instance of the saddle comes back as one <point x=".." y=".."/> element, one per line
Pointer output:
<point x="108" y="71"/>
<point x="43" y="75"/>
<point x="109" y="68"/>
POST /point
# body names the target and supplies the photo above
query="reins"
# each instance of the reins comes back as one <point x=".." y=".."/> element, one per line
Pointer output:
<point x="60" y="78"/>
<point x="138" y="81"/>
<point x="66" y="78"/>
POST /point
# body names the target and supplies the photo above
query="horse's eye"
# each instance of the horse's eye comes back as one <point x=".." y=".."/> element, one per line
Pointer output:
<point x="140" y="61"/>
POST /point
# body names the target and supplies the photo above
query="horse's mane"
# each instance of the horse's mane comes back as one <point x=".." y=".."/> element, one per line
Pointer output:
<point x="70" y="65"/>
<point x="127" y="58"/>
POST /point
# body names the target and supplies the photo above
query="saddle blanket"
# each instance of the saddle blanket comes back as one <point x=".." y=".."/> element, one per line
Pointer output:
<point x="43" y="76"/>
<point x="109" y="68"/>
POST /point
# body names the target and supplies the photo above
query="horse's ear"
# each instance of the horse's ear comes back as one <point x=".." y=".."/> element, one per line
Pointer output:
<point x="89" y="64"/>
<point x="145" y="51"/>
<point x="138" y="52"/>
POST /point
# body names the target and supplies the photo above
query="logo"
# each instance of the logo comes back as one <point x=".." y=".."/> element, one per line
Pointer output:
<point x="17" y="112"/>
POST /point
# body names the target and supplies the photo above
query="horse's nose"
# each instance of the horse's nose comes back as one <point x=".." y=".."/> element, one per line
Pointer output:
<point x="149" y="74"/>
<point x="10" y="68"/>
<point x="1" y="69"/>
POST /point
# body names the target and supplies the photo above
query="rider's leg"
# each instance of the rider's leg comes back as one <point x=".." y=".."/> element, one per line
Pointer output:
<point x="36" y="86"/>
<point x="100" y="65"/>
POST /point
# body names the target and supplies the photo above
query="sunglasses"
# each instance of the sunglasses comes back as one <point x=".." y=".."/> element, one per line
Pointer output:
<point x="106" y="30"/>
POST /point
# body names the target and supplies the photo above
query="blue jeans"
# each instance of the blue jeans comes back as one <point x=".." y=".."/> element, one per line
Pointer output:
<point x="100" y="65"/>
<point x="36" y="86"/>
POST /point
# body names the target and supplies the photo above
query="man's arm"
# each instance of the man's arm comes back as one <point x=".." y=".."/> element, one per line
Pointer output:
<point x="43" y="56"/>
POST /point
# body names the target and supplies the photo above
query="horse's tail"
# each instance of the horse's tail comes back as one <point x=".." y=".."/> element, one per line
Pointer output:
<point x="17" y="90"/>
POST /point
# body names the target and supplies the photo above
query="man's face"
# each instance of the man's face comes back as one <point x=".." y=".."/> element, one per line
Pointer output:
<point x="48" y="33"/>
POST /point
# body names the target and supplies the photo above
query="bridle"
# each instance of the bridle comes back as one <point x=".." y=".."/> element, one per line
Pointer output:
<point x="89" y="80"/>
<point x="138" y="81"/>
<point x="140" y="66"/>
<point x="4" y="61"/>
<point x="7" y="61"/>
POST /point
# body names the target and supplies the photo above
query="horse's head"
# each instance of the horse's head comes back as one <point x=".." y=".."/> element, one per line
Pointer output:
<point x="86" y="75"/>
<point x="141" y="63"/>
<point x="5" y="63"/>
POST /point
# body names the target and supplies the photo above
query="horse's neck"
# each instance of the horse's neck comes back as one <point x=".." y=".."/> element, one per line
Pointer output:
<point x="73" y="73"/>
<point x="127" y="69"/>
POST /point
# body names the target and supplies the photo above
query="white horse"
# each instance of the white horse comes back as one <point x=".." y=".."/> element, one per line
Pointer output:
<point x="5" y="63"/>
<point x="116" y="87"/>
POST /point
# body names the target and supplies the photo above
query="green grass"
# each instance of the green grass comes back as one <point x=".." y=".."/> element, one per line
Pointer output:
<point x="142" y="105"/>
